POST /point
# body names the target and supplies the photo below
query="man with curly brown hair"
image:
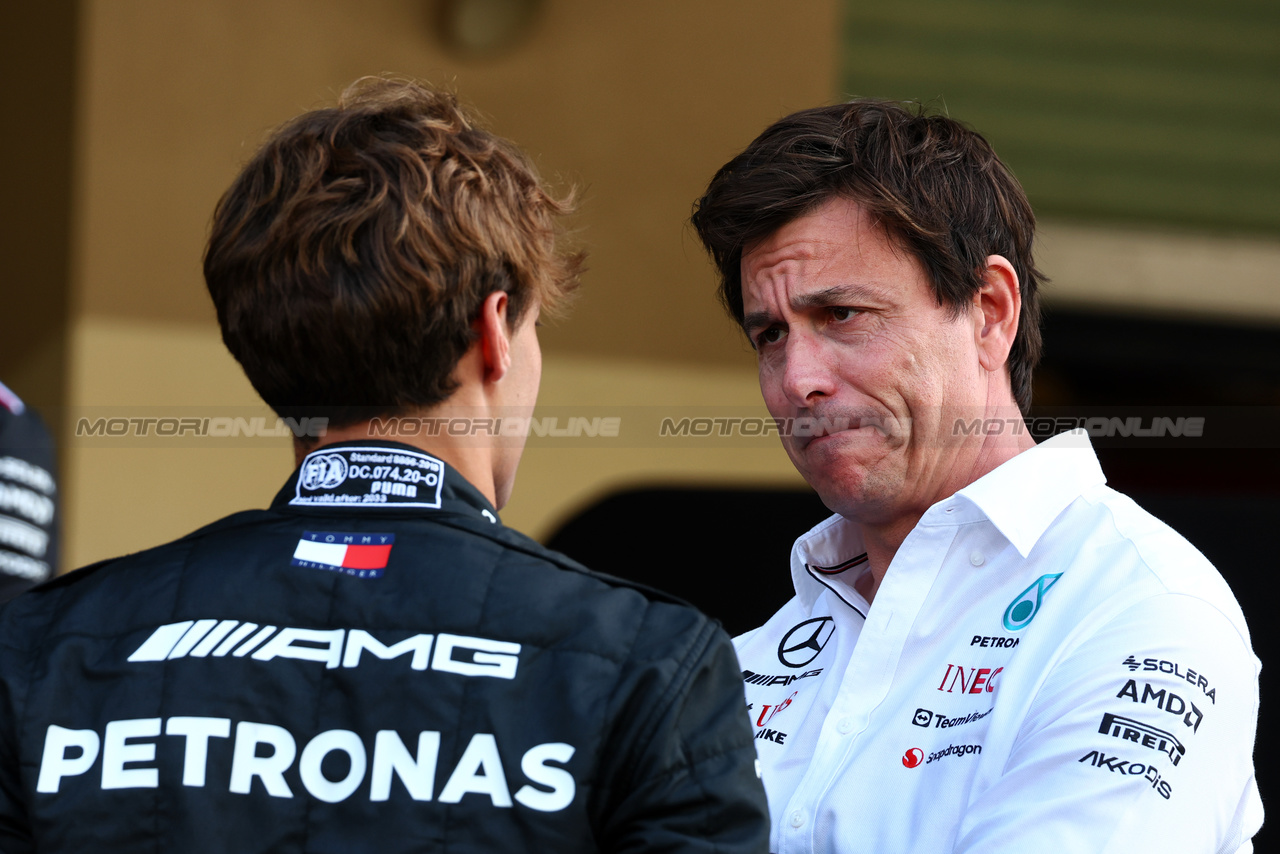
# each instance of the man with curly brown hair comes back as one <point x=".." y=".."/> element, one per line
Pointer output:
<point x="375" y="663"/>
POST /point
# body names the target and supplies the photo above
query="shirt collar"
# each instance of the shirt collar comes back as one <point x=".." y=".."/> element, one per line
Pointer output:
<point x="1021" y="498"/>
<point x="1025" y="494"/>
<point x="353" y="476"/>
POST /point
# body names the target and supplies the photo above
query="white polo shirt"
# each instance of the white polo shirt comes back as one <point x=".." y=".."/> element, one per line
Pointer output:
<point x="1046" y="668"/>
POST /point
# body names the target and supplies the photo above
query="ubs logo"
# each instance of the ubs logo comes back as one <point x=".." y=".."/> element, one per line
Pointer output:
<point x="805" y="641"/>
<point x="324" y="471"/>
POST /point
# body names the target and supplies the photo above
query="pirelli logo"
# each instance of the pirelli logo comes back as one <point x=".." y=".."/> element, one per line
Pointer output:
<point x="446" y="653"/>
<point x="1148" y="736"/>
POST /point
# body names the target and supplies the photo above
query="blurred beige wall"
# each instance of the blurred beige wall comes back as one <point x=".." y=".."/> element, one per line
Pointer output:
<point x="635" y="104"/>
<point x="129" y="117"/>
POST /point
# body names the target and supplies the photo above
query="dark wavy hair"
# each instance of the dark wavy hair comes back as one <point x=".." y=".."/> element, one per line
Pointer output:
<point x="934" y="185"/>
<point x="349" y="259"/>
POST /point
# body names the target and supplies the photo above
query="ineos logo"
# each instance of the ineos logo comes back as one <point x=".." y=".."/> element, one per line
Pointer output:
<point x="802" y="644"/>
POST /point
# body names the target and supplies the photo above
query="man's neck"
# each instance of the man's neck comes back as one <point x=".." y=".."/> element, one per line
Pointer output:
<point x="470" y="455"/>
<point x="883" y="539"/>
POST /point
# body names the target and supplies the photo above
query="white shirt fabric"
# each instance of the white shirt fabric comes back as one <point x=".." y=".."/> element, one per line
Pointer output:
<point x="1046" y="667"/>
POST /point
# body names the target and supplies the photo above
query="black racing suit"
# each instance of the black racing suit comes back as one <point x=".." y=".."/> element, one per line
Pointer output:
<point x="373" y="664"/>
<point x="28" y="498"/>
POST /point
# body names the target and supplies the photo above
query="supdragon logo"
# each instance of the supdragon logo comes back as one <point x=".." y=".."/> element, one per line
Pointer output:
<point x="445" y="653"/>
<point x="954" y="750"/>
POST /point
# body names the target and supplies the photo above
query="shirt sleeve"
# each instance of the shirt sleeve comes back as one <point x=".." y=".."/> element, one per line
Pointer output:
<point x="1139" y="738"/>
<point x="684" y="777"/>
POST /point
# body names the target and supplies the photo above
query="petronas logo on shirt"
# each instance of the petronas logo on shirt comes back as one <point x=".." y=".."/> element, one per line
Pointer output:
<point x="1023" y="609"/>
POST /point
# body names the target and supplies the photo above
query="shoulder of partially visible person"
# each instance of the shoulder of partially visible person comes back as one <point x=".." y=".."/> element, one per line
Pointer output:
<point x="1142" y="704"/>
<point x="28" y="498"/>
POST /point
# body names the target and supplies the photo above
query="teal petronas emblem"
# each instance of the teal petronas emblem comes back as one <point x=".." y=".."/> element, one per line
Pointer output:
<point x="1023" y="609"/>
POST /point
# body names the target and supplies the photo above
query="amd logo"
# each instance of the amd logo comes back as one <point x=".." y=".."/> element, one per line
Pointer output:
<point x="460" y="654"/>
<point x="1164" y="700"/>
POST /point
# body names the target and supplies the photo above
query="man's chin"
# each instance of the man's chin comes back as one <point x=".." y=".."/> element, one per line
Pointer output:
<point x="854" y="490"/>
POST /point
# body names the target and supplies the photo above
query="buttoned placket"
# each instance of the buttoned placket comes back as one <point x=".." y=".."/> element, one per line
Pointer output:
<point x="869" y="675"/>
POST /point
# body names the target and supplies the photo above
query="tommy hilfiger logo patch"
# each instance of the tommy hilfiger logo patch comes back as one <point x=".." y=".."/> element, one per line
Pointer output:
<point x="357" y="554"/>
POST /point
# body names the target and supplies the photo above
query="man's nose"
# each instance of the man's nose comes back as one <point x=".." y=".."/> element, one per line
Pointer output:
<point x="807" y="376"/>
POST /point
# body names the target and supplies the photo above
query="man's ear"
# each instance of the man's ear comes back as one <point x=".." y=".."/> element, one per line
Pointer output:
<point x="495" y="336"/>
<point x="999" y="304"/>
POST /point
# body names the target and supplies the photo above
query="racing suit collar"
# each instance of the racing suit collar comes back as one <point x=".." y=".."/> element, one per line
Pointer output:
<point x="455" y="493"/>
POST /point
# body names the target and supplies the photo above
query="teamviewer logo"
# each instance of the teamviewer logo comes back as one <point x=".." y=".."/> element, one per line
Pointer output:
<point x="923" y="717"/>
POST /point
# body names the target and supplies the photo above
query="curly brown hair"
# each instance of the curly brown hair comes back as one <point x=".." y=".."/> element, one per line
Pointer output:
<point x="935" y="185"/>
<point x="349" y="259"/>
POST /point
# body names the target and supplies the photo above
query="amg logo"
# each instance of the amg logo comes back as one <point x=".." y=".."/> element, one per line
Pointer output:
<point x="1166" y="701"/>
<point x="1116" y="765"/>
<point x="1144" y="734"/>
<point x="752" y="678"/>
<point x="465" y="656"/>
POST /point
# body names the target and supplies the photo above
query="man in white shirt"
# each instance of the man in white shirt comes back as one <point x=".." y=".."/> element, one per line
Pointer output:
<point x="989" y="650"/>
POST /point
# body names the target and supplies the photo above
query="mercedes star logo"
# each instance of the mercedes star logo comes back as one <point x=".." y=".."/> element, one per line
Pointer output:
<point x="802" y="644"/>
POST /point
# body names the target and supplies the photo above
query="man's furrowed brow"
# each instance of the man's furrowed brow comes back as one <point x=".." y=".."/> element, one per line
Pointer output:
<point x="756" y="320"/>
<point x="843" y="295"/>
<point x="850" y="295"/>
